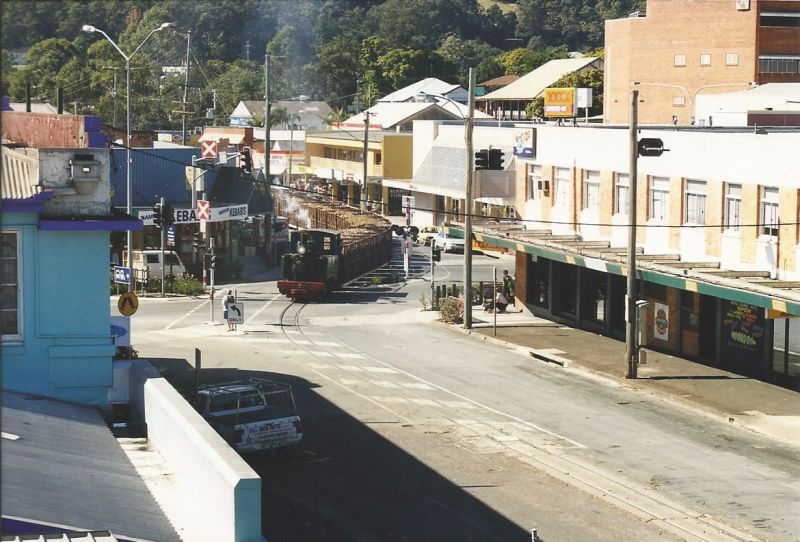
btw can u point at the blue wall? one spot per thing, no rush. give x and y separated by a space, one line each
67 348
156 173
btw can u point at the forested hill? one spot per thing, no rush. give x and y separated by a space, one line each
326 49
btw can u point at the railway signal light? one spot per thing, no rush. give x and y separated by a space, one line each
157 216
247 160
495 159
482 159
167 215
436 254
212 261
197 240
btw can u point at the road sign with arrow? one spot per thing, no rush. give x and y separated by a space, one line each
236 313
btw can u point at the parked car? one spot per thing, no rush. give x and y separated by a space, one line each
447 243
426 235
252 415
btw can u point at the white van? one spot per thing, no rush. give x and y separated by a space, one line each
151 260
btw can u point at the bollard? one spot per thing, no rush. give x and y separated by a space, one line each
534 536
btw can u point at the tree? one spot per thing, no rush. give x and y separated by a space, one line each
517 62
44 62
338 66
236 83
463 54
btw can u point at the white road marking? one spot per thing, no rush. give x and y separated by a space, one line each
390 399
417 386
197 308
459 404
349 381
267 304
384 370
346 355
327 343
424 402
386 384
353 368
321 354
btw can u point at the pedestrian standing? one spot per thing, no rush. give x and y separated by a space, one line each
508 284
227 301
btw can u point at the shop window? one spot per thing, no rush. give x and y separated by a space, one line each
659 199
378 158
564 289
733 205
695 203
657 292
690 318
593 296
10 287
782 19
786 347
621 187
539 283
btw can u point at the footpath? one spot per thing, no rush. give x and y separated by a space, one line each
759 406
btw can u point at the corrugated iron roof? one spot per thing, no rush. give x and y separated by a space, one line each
156 173
530 85
88 536
67 469
20 175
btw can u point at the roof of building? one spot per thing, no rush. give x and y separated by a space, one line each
62 466
430 85
774 96
501 81
320 109
387 115
36 107
530 85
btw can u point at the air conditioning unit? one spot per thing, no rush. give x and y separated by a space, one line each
742 5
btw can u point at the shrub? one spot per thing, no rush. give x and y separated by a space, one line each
188 286
451 310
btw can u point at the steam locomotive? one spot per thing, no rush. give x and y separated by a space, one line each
313 267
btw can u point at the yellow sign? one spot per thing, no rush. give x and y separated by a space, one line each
559 102
128 303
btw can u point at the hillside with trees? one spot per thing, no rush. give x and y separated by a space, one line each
345 52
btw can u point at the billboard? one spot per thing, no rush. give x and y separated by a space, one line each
559 102
525 142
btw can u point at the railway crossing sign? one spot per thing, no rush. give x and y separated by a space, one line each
128 303
203 209
209 149
236 313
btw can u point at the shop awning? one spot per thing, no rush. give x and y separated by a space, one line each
753 288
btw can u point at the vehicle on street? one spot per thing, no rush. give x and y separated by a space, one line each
150 260
252 415
426 235
447 243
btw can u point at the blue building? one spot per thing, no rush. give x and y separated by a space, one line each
54 272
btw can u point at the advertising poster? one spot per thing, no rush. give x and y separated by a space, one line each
661 322
559 102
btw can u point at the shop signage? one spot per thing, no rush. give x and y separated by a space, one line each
559 102
661 321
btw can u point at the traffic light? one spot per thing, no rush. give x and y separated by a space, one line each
167 215
213 261
482 159
436 254
197 240
247 160
495 159
157 218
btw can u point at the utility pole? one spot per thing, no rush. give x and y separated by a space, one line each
267 146
365 185
468 205
631 355
186 85
247 50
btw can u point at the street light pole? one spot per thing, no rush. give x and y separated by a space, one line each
365 184
631 355
468 205
129 181
691 96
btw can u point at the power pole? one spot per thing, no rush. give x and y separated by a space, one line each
186 85
468 205
267 147
631 355
247 50
365 185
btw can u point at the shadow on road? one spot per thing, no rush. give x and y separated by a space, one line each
350 483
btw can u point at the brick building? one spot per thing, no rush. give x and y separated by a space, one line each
682 48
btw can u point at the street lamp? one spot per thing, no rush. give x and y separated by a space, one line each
292 118
468 126
692 96
129 181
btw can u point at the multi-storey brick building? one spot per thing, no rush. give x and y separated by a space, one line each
682 48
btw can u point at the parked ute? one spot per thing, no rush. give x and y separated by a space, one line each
252 415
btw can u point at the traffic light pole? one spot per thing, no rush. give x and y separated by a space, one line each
164 223
211 297
631 354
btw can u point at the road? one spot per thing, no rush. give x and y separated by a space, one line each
417 432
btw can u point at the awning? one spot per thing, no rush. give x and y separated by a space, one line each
572 252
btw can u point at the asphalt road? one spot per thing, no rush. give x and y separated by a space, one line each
416 432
